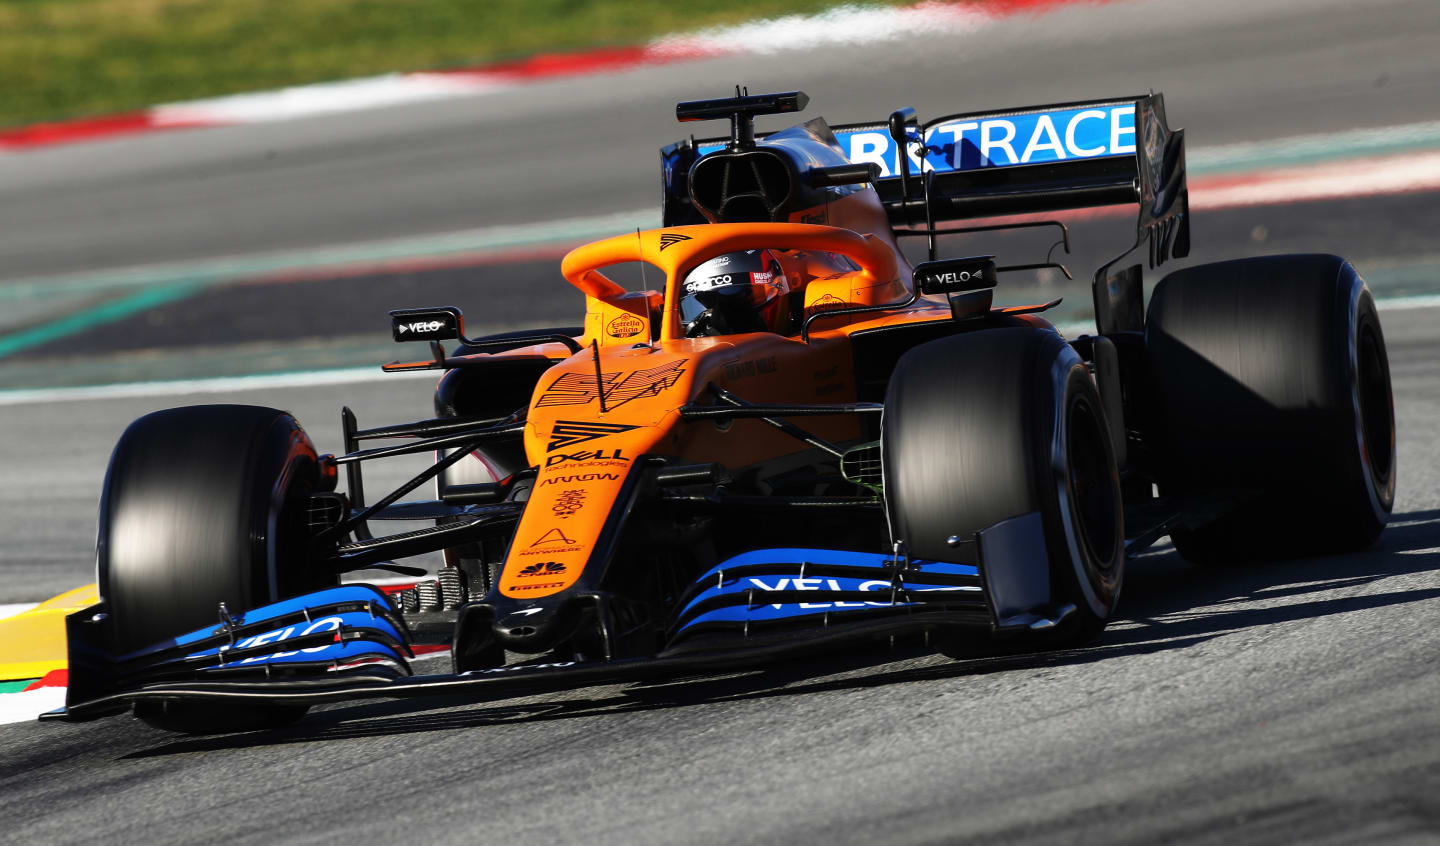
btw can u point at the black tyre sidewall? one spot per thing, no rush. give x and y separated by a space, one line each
193 513
1088 569
1374 468
977 430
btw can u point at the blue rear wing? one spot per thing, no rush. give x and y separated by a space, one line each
989 140
1024 161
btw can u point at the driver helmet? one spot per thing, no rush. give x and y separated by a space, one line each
734 293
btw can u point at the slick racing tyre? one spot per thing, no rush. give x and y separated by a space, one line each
1271 384
203 505
982 427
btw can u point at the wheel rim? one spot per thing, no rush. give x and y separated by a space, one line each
1092 486
1377 416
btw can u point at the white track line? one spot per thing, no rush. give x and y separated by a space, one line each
842 26
1360 177
219 384
26 705
849 25
1318 145
12 610
359 375
507 236
325 98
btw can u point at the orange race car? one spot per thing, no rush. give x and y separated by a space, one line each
800 441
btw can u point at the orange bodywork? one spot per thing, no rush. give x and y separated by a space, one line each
584 454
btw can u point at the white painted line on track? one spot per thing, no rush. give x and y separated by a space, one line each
26 705
1407 303
219 384
846 25
348 95
1362 177
225 268
12 610
842 26
360 375
1352 177
1296 149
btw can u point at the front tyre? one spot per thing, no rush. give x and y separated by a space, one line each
986 426
203 505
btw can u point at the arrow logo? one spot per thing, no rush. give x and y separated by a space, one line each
671 238
570 432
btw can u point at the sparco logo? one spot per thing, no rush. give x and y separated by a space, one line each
422 326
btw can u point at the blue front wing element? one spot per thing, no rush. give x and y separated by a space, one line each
353 621
839 578
843 557
335 627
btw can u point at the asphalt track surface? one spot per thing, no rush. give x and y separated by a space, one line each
1231 70
1291 701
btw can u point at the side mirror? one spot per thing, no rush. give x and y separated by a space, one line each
427 324
846 174
947 276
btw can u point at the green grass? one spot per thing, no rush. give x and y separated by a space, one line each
61 59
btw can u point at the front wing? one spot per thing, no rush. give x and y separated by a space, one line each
762 606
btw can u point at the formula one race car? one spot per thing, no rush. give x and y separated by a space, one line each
801 442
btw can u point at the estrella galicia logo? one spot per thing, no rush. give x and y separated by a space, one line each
542 568
567 433
669 239
625 326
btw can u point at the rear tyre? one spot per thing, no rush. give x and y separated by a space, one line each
982 427
1270 378
203 505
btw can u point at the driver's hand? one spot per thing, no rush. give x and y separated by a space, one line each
700 326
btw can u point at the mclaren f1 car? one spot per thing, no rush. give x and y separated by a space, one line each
802 442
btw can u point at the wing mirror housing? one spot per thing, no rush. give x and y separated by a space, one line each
445 323
950 276
968 283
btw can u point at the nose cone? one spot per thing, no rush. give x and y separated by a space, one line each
537 628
